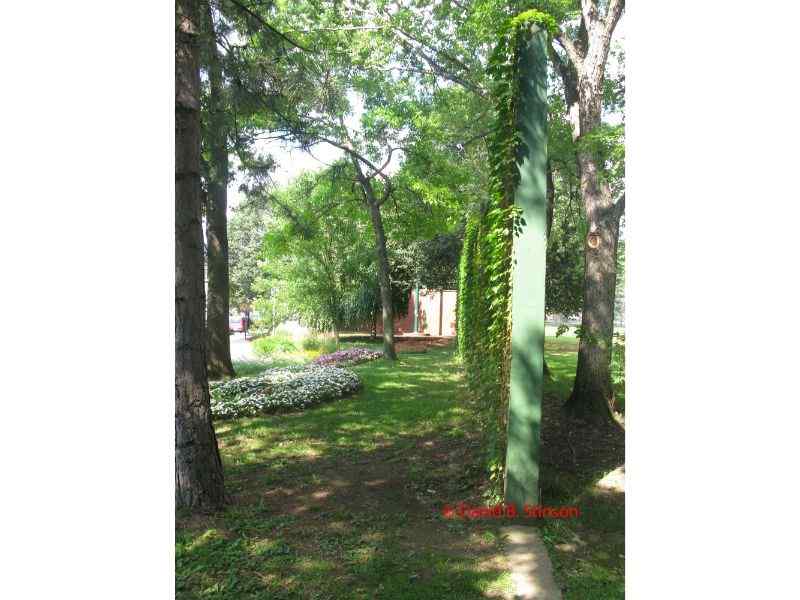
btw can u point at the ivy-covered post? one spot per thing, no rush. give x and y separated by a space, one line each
528 274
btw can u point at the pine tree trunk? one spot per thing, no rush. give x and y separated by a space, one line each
198 468
218 308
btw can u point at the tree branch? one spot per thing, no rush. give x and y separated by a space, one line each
568 77
385 164
345 28
258 18
614 12
353 154
600 43
572 51
468 141
304 229
387 191
436 65
589 12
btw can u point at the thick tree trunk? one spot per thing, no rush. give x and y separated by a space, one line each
218 308
384 282
198 468
593 395
582 73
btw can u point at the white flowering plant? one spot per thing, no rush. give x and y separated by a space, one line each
351 356
281 390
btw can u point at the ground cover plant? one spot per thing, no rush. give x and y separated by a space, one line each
344 501
588 554
281 389
348 356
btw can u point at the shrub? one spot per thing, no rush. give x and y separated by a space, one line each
281 390
351 356
312 343
319 344
272 344
258 328
329 345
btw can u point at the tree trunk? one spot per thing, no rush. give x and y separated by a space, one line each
198 468
593 395
218 308
384 281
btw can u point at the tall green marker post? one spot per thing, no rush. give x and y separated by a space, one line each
527 300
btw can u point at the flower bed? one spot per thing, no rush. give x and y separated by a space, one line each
281 389
351 356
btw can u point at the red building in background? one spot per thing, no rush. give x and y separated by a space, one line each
430 312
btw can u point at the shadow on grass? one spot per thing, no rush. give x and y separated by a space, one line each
587 553
417 394
343 501
273 564
318 547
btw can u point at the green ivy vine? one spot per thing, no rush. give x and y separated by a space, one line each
484 311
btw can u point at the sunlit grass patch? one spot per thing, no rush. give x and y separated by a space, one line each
307 522
287 536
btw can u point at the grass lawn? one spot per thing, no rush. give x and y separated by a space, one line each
588 553
344 500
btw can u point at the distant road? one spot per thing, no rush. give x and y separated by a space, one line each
241 349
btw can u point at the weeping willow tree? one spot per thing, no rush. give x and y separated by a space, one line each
317 250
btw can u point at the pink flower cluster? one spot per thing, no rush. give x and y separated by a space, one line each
350 356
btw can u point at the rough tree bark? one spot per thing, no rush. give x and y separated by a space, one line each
198 468
583 73
218 302
384 281
593 394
